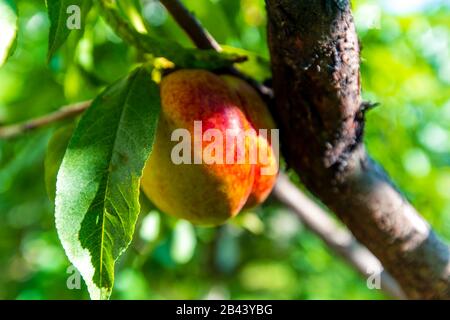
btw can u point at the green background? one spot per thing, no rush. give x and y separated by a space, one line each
266 253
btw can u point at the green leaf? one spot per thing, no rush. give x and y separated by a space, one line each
65 16
161 47
255 66
185 57
55 152
8 27
132 10
97 190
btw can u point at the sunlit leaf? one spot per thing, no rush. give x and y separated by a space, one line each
132 9
8 27
55 152
97 193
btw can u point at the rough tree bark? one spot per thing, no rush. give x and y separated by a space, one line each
315 63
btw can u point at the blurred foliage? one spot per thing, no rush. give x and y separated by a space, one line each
262 254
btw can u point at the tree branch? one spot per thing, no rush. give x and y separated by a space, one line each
65 112
314 45
199 36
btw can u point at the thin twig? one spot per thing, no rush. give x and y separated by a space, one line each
65 112
204 40
199 35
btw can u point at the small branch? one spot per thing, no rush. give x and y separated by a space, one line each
337 238
65 112
204 40
200 36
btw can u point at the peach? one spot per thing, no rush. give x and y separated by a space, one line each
206 112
